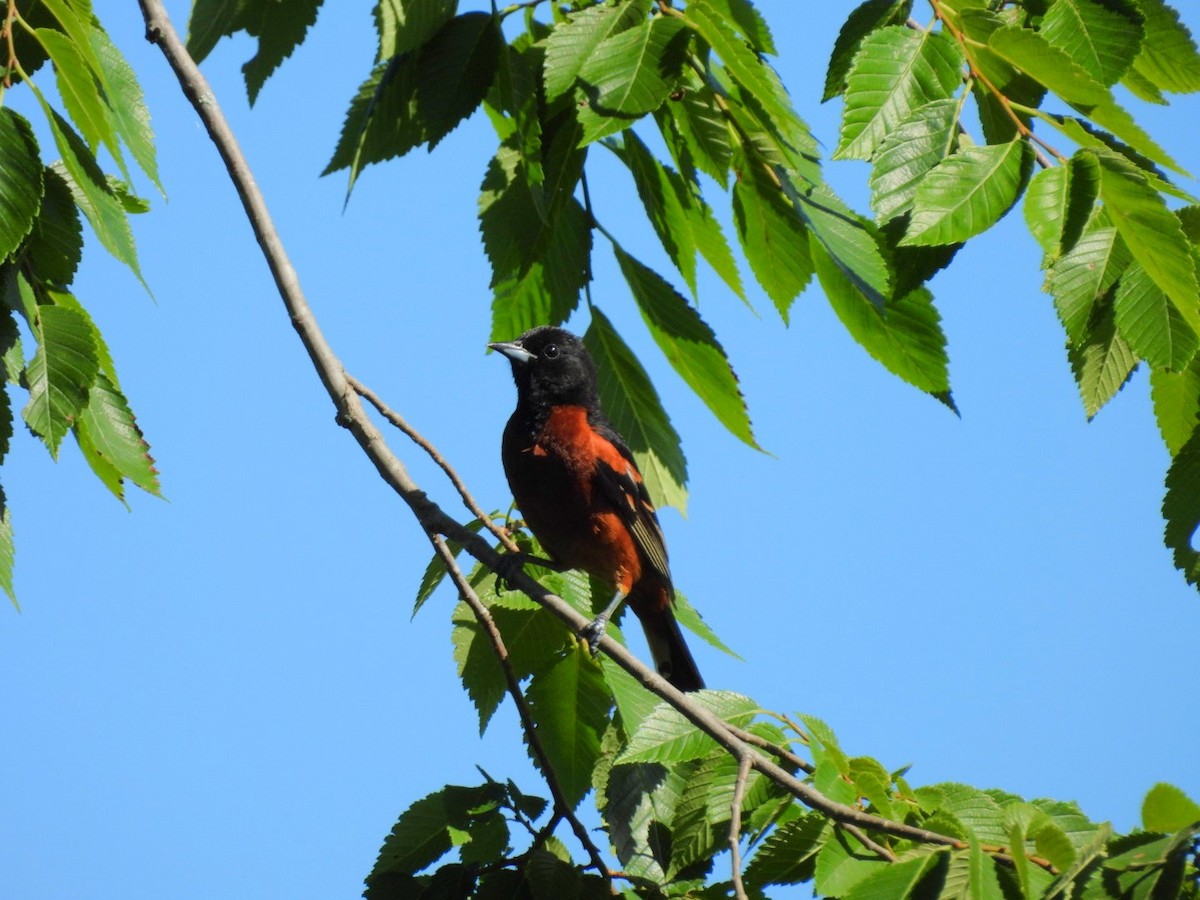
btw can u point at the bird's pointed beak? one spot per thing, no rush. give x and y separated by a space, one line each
513 350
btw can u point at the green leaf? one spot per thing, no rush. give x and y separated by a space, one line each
61 373
696 132
1059 202
633 406
405 25
689 617
896 71
382 120
126 105
1103 40
7 551
55 245
435 571
1153 234
1168 809
210 20
906 336
1169 59
689 345
896 881
1102 363
969 192
570 703
743 17
21 184
92 193
532 637
663 195
638 803
108 428
280 29
424 832
1033 54
1085 273
666 736
455 71
978 813
629 74
852 242
866 18
919 141
971 875
1176 397
841 865
80 90
572 44
1151 324
773 238
788 855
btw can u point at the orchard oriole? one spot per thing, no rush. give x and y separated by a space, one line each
582 495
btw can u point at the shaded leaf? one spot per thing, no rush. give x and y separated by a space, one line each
60 374
866 18
906 336
628 75
1059 202
689 345
405 25
1102 363
1084 274
1169 59
635 410
109 432
1151 324
570 702
21 184
773 238
455 70
571 45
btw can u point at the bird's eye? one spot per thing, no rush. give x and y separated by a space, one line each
550 351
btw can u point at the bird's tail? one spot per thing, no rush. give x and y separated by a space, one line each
670 652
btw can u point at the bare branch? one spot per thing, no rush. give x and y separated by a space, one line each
562 806
424 443
735 827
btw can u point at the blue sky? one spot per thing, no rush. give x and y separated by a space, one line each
223 694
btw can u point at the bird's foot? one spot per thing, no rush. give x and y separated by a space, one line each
593 631
509 566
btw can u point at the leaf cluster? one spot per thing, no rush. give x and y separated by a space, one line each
667 794
50 346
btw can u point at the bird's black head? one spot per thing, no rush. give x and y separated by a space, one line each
551 366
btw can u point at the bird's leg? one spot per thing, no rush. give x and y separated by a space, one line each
594 630
512 563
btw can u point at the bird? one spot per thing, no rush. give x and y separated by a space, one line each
580 492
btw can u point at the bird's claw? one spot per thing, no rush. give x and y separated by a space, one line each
509 567
593 631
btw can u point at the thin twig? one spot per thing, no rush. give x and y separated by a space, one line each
774 749
561 805
735 827
424 443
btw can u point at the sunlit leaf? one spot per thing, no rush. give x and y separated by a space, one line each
896 70
969 192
